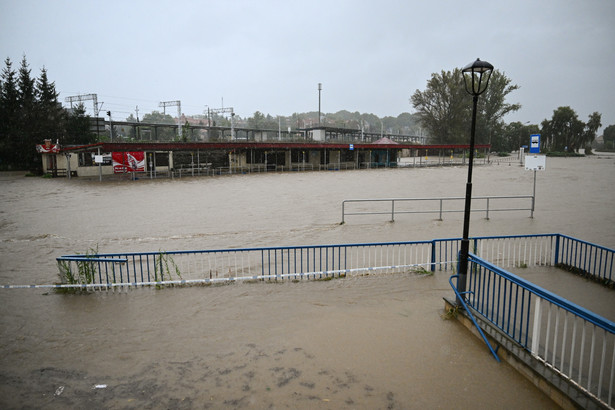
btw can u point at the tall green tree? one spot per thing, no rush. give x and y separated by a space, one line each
48 111
441 108
25 133
492 107
444 108
77 131
591 129
9 110
30 113
515 135
257 121
609 137
566 132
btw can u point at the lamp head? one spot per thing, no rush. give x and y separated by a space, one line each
476 76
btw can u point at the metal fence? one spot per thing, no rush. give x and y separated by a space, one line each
318 261
437 205
573 341
227 265
586 258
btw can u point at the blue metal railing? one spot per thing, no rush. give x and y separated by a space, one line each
318 261
586 258
268 263
461 298
568 338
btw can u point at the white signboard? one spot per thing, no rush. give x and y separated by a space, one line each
535 162
99 159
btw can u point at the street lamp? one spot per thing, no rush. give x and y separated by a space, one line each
476 76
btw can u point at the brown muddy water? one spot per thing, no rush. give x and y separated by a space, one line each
375 341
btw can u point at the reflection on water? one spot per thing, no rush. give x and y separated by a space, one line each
367 341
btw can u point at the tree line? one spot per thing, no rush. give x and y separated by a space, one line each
30 113
444 110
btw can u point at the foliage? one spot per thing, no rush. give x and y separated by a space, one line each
445 109
563 154
405 123
451 313
442 107
565 132
492 107
257 121
84 274
516 134
609 137
77 127
165 267
29 114
156 117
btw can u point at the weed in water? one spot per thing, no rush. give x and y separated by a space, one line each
85 272
164 268
422 271
451 313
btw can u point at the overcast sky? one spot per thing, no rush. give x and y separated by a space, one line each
269 56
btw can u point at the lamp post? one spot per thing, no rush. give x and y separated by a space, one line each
476 77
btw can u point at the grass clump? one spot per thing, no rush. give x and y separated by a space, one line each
83 273
164 268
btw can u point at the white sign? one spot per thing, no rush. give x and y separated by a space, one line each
535 162
99 159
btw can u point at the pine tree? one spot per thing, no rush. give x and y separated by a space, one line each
9 108
49 113
25 138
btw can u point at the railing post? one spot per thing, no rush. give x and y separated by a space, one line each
392 210
441 201
433 256
343 203
556 256
487 217
533 197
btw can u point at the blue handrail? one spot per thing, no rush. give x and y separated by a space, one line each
465 306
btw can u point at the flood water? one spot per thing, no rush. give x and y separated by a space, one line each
375 341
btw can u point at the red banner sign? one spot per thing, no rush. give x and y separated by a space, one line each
48 148
128 162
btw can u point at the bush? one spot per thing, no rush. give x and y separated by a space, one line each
563 154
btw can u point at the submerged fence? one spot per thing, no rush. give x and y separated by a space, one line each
227 265
321 261
573 341
437 205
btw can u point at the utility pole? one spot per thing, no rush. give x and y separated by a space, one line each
138 129
319 90
177 103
